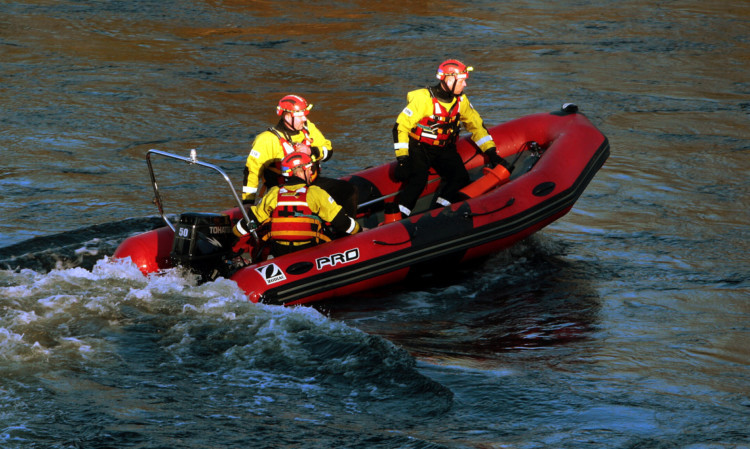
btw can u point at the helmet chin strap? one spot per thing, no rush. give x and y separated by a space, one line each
287 124
312 173
445 86
305 175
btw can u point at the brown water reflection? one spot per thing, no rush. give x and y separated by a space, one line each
649 270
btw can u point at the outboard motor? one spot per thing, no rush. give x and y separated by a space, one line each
203 243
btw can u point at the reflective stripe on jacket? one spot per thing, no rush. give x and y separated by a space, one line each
267 150
292 220
421 104
440 127
299 202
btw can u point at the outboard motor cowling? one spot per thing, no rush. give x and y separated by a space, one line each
203 242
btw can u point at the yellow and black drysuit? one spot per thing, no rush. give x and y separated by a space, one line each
270 147
294 213
425 136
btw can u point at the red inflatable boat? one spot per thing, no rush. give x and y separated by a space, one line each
555 156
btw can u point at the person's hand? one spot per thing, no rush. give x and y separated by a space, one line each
315 154
403 168
303 148
243 227
496 160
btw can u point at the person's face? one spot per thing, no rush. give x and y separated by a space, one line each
308 173
454 85
311 173
295 123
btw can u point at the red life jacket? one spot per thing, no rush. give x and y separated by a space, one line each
292 220
440 127
288 146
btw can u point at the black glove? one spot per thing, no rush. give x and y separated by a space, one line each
315 154
318 156
403 168
321 154
496 160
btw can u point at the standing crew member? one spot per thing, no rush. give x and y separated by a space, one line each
296 210
293 132
426 132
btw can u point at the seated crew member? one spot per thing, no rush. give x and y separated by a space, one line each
426 132
296 210
293 132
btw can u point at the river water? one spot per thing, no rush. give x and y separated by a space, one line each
625 324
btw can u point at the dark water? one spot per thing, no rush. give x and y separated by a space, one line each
624 324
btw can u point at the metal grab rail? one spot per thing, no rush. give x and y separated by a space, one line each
192 160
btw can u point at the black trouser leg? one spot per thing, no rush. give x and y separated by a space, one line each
420 167
343 192
447 163
450 167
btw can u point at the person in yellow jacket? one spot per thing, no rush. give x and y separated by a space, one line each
293 132
295 211
425 136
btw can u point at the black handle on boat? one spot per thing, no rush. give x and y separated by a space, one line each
192 160
508 203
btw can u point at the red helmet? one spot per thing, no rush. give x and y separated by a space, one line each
293 161
453 67
295 104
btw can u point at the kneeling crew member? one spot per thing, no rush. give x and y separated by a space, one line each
296 210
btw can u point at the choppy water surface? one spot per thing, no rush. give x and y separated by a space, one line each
624 324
